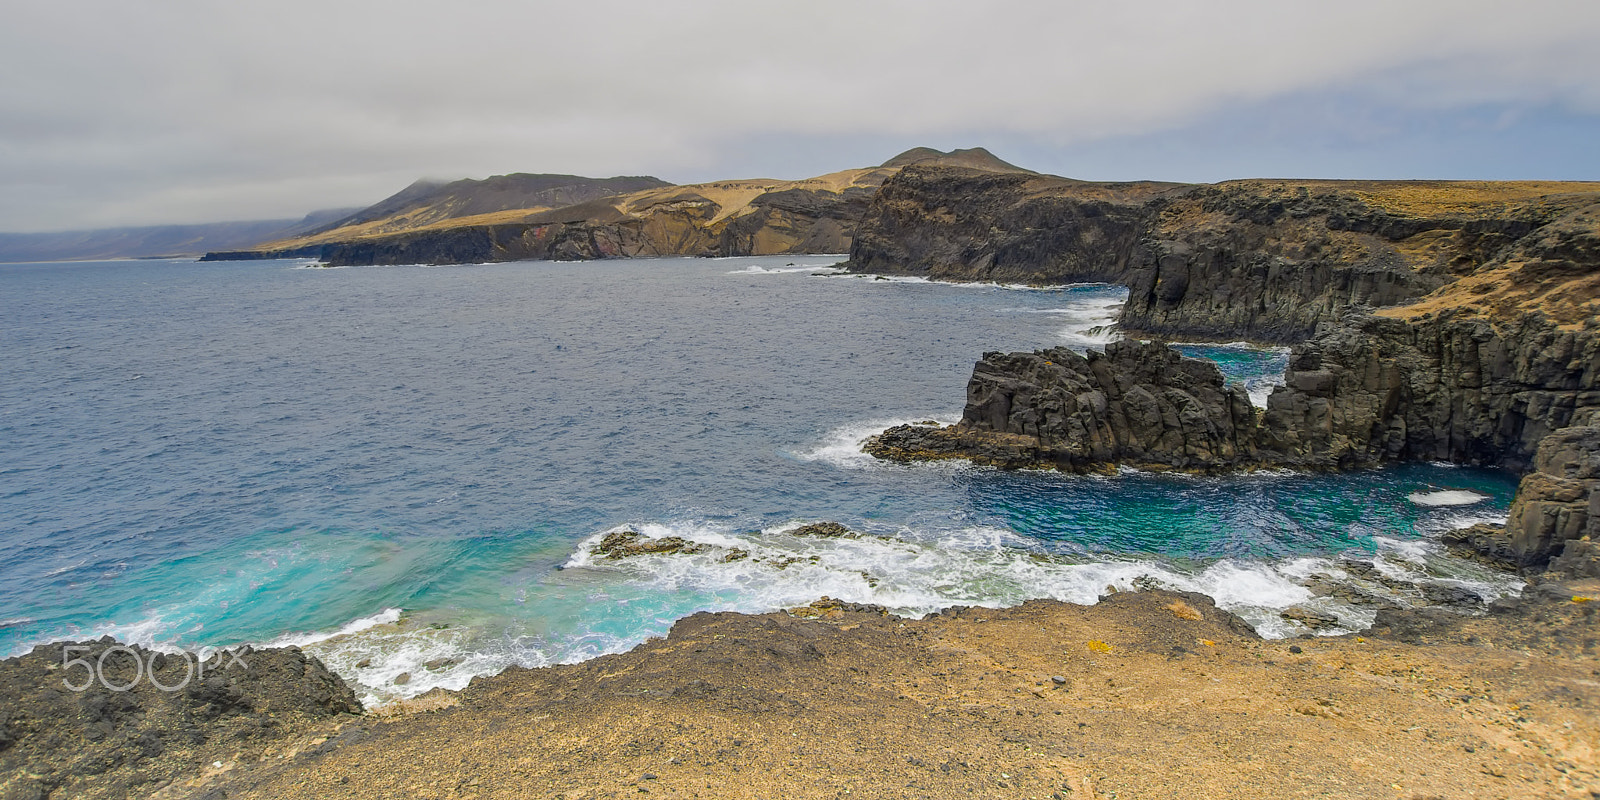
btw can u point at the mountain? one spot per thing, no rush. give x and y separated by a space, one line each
515 217
431 204
154 241
970 158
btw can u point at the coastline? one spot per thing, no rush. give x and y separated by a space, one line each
1159 694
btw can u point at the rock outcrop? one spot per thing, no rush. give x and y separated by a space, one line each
70 726
1137 404
1558 504
1437 321
1447 388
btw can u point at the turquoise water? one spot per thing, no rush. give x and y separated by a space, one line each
400 464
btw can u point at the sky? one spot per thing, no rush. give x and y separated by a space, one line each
120 113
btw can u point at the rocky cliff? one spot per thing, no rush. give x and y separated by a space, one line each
1431 321
1264 260
950 223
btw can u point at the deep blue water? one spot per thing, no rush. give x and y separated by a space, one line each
218 453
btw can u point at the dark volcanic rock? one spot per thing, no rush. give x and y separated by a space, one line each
1486 543
1137 404
1269 263
1311 618
825 530
628 542
959 224
58 738
1376 389
1559 502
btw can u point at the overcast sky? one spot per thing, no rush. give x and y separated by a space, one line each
131 112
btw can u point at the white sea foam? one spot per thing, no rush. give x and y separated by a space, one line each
1012 287
759 270
1089 321
841 446
1448 518
1423 561
387 616
915 574
1446 497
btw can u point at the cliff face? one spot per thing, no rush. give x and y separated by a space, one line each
1264 260
789 220
1441 389
1485 348
965 225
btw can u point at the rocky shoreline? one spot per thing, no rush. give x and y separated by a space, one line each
1430 321
1146 694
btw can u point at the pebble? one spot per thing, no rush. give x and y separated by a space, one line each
1058 680
1294 648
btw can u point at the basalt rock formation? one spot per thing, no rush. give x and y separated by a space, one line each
1268 261
958 224
1431 321
103 719
1137 404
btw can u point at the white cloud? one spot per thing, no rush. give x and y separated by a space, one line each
114 112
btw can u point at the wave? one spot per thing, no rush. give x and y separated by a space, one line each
1446 497
388 616
915 574
1012 287
841 446
759 270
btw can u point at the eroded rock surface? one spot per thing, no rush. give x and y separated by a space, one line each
1138 404
67 729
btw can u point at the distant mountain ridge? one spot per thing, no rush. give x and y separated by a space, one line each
426 203
520 216
155 241
971 158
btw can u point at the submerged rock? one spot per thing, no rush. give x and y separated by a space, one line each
627 542
1311 618
825 530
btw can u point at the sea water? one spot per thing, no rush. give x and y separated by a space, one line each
393 466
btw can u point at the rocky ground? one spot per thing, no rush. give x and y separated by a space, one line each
1148 694
92 719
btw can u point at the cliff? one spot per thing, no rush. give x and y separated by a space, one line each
1264 260
951 223
1432 321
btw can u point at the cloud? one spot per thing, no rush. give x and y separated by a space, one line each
122 113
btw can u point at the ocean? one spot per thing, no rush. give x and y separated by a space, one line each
400 466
